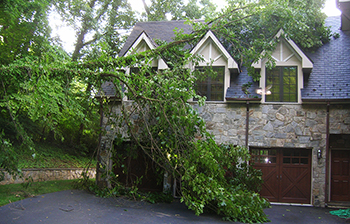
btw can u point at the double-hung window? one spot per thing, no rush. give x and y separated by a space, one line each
282 81
211 86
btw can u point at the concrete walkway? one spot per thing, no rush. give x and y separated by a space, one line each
75 206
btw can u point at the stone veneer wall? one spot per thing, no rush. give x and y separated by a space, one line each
270 125
280 125
48 174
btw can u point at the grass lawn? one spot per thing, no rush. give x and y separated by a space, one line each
15 192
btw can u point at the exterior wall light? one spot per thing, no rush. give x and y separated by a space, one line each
319 154
265 91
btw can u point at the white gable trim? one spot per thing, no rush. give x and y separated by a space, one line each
202 44
305 61
137 44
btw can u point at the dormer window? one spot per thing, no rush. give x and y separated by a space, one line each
215 56
282 83
212 87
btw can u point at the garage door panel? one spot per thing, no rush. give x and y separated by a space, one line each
269 193
294 172
294 193
269 182
289 180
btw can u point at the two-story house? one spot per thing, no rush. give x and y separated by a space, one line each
298 129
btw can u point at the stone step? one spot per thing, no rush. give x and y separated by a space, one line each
339 204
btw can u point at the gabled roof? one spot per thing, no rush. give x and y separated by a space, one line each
210 35
306 63
162 30
329 79
143 37
151 44
330 76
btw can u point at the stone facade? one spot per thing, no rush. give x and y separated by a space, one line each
271 125
281 126
47 174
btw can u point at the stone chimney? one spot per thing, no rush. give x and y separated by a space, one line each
344 7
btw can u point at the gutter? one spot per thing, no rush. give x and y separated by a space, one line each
326 101
233 99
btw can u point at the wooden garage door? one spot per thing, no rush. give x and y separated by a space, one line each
286 174
340 175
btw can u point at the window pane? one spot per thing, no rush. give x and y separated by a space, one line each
304 161
304 153
272 152
286 160
213 85
284 84
272 159
295 160
273 79
287 152
289 84
254 152
202 87
263 160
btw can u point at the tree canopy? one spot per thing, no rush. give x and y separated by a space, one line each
178 10
99 24
24 29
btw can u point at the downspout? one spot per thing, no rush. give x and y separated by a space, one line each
247 126
327 154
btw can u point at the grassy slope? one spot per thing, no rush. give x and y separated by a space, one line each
46 156
52 156
15 192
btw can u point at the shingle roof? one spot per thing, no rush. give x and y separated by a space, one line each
236 82
107 89
330 77
162 30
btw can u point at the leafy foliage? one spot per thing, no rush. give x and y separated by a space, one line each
7 158
24 29
159 10
40 104
252 38
53 156
97 23
160 119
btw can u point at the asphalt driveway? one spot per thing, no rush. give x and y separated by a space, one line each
75 206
